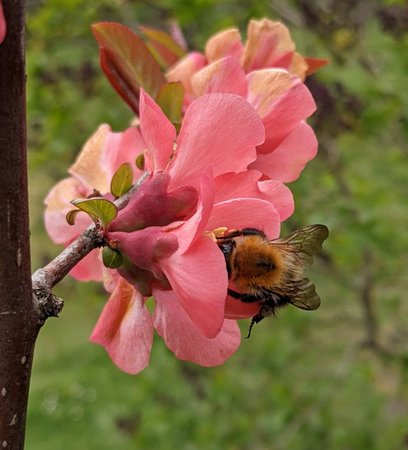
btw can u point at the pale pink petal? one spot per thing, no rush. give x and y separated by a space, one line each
3 24
289 159
224 76
246 213
58 204
199 279
184 69
125 329
268 45
266 87
158 132
185 340
247 185
287 103
225 43
299 66
219 131
89 269
122 148
111 278
88 167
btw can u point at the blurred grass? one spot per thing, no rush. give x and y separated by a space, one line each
305 380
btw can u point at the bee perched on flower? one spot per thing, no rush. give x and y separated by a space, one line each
270 272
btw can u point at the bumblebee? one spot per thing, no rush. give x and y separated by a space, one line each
271 272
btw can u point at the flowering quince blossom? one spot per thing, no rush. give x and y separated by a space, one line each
260 71
199 181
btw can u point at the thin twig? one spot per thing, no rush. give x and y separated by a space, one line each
45 278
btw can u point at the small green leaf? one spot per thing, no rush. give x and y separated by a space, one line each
71 216
140 161
99 208
122 180
111 258
170 100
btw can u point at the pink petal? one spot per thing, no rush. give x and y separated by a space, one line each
281 107
125 329
224 43
199 279
247 185
246 213
57 202
88 167
225 76
266 87
290 157
3 24
219 131
158 132
195 226
268 45
184 69
235 309
122 148
154 205
185 340
89 269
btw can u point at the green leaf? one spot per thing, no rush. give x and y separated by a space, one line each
99 208
111 258
122 180
140 161
163 47
170 100
127 62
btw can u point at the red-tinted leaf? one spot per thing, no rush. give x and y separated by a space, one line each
170 100
127 62
163 47
315 64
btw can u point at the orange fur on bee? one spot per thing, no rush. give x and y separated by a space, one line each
255 262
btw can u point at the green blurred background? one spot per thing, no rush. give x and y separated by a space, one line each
333 379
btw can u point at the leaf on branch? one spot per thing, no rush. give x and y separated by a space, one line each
127 62
122 180
163 47
111 258
71 216
98 209
170 100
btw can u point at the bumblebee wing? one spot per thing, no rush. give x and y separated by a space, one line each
305 242
305 296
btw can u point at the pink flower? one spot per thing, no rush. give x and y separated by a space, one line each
101 155
260 71
198 182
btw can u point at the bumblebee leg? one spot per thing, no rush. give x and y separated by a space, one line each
246 298
256 319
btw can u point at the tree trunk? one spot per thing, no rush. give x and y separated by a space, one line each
18 316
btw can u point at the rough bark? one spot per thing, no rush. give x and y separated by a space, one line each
18 316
